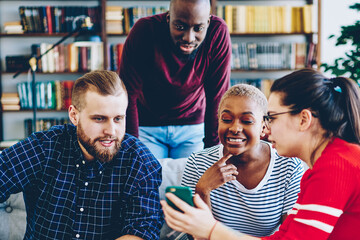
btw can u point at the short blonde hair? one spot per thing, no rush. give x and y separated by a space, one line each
246 90
103 82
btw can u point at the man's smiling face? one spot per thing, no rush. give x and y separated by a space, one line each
188 22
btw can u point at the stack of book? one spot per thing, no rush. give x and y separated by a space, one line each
114 18
13 27
7 144
10 101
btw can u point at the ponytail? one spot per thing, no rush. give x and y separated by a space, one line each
349 97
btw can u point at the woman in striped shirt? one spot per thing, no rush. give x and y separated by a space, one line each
249 187
318 120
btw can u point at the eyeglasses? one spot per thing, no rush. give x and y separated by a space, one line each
267 118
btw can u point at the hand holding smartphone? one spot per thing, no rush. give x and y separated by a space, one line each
184 193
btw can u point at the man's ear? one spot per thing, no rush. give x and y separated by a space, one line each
306 119
73 115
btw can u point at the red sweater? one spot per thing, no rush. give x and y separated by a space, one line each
165 89
328 206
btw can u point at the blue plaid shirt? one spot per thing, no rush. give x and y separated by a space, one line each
67 197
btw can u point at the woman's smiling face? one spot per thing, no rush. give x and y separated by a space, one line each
240 124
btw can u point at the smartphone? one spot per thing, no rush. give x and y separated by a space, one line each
184 193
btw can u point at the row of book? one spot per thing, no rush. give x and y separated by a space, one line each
71 57
267 19
43 124
119 20
272 55
56 19
263 84
10 101
49 95
68 58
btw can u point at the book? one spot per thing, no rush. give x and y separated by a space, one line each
13 27
14 63
49 19
235 56
10 107
10 99
7 143
44 58
229 17
252 58
119 48
66 90
23 21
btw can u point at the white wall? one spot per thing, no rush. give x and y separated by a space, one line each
335 13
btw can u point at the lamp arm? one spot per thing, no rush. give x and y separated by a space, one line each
33 60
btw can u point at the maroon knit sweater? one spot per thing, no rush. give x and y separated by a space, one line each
168 89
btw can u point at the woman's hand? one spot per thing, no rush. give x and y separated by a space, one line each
218 174
195 221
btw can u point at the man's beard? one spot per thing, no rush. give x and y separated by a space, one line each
103 155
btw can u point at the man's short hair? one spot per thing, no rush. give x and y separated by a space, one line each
246 90
190 1
103 82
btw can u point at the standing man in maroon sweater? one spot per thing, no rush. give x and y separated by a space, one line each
176 67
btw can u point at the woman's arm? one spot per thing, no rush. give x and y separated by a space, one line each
198 221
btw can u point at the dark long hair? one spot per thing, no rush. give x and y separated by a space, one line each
335 101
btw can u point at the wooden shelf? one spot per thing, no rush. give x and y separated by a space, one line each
260 70
37 34
48 73
37 110
268 34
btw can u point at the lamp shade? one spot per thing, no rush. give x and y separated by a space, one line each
87 37
86 32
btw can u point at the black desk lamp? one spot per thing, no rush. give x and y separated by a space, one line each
84 35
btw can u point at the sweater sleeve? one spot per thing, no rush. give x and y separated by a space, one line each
326 192
131 67
217 81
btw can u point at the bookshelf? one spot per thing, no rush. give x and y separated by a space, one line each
276 36
12 122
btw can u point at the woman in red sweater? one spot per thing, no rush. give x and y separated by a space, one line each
316 119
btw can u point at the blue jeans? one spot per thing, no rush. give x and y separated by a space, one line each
173 141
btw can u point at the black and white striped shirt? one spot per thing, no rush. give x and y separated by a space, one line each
254 211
